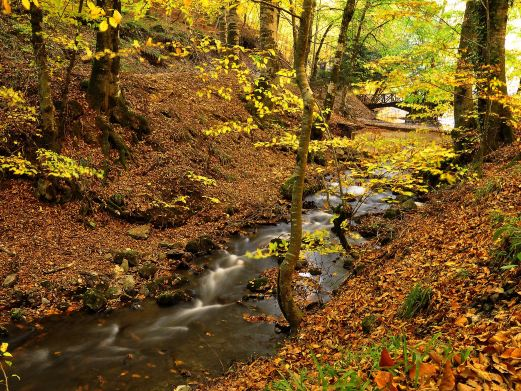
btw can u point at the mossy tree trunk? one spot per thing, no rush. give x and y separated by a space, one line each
285 295
47 109
494 116
329 101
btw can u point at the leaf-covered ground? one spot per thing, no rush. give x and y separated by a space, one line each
447 246
60 246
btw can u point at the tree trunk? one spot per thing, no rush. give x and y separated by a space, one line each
233 25
464 104
329 102
285 296
494 117
47 110
316 55
222 25
269 17
104 91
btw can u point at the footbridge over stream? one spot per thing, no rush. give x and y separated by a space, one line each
379 100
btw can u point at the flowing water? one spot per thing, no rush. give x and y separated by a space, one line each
157 348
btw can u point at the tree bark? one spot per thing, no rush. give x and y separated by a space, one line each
329 102
233 25
269 17
494 117
104 91
289 308
47 109
464 104
222 25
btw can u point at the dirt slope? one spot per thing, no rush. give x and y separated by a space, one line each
39 239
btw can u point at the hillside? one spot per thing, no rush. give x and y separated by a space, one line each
446 246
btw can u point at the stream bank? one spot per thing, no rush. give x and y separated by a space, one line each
162 347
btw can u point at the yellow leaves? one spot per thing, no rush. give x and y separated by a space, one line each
117 17
95 12
87 56
103 26
6 7
3 347
26 4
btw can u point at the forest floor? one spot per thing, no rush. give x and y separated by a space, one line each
446 246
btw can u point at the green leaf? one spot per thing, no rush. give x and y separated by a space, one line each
508 267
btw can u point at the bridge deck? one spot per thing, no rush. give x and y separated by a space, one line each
380 100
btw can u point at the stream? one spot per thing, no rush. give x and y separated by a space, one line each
154 348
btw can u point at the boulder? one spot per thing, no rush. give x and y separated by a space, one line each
200 246
10 281
141 232
132 256
170 298
169 245
94 300
392 213
408 205
148 270
175 254
258 285
128 284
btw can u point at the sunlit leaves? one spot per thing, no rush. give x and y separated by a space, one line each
231 127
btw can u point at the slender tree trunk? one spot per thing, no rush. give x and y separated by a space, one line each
494 117
104 91
294 26
464 104
222 25
269 17
233 25
329 102
316 55
356 43
68 78
47 110
285 296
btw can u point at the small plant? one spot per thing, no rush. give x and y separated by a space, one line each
508 239
416 301
490 187
6 358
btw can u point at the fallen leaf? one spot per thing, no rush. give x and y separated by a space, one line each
448 382
425 371
385 359
384 381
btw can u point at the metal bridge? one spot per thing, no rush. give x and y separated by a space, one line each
375 101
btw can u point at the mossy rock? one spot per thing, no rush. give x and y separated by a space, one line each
132 256
311 186
201 246
94 300
170 298
258 285
369 323
148 270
